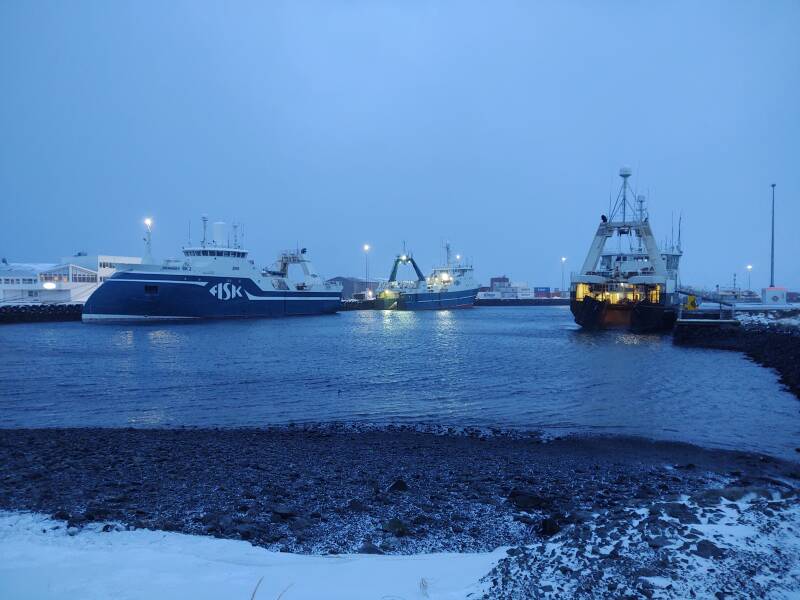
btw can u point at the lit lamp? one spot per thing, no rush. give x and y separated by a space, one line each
148 240
563 260
749 270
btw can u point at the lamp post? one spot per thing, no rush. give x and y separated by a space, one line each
772 245
148 241
749 270
366 271
563 260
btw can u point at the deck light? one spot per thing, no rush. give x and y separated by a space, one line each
148 222
49 285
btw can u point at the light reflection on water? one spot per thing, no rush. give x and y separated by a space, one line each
527 367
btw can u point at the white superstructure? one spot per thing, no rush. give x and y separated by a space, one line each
70 281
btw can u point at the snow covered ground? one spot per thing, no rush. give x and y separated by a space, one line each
790 319
41 559
717 549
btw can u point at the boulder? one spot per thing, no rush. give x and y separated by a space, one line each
707 549
398 486
524 500
549 526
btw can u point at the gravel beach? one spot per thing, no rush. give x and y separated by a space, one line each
398 490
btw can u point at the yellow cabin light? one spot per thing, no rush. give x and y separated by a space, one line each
49 285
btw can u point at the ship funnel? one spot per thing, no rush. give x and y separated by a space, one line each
219 231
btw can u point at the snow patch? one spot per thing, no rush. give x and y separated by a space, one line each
41 559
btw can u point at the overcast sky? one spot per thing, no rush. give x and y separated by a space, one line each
499 126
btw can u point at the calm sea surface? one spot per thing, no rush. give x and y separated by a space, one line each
528 368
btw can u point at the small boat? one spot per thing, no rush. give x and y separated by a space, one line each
449 286
626 281
214 280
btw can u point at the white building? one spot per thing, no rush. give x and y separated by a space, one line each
71 281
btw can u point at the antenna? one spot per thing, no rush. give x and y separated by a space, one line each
236 235
672 229
190 232
624 172
205 227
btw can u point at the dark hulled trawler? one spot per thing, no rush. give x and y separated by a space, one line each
626 281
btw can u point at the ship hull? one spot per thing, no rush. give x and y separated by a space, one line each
432 300
151 297
641 317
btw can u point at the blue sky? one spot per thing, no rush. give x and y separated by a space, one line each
499 126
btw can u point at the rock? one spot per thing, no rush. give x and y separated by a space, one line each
681 512
107 527
526 500
356 505
246 531
707 549
658 542
398 486
283 511
61 515
396 527
549 526
369 548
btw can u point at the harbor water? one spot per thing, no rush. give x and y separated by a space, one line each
526 368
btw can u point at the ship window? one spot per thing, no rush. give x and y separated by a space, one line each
151 290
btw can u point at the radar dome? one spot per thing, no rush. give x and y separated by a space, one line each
625 172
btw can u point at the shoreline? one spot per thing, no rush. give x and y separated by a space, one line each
398 492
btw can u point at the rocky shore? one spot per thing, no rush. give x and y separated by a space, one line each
770 344
583 516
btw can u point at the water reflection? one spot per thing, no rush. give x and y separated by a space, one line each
525 367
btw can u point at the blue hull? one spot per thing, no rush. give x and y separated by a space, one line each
144 296
437 301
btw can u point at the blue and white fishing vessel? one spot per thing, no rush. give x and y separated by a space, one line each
449 286
214 280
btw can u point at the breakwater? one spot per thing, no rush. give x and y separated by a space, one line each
28 313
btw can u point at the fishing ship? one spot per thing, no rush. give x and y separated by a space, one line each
449 286
214 280
626 281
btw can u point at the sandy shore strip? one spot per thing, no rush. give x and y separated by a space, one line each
583 516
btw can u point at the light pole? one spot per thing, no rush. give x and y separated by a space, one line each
148 242
366 271
563 260
749 270
772 248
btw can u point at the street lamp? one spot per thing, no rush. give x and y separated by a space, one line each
366 272
749 270
148 242
563 260
772 243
